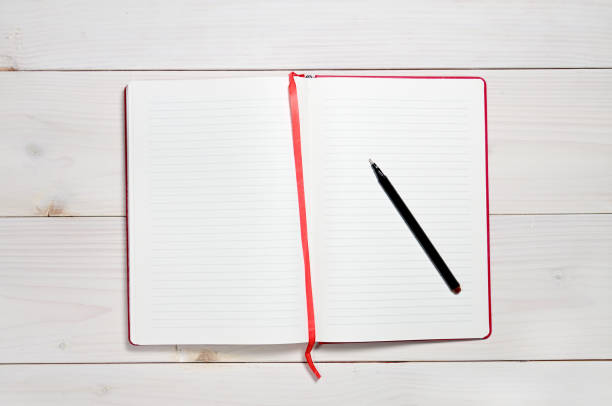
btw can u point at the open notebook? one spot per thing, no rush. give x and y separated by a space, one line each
215 240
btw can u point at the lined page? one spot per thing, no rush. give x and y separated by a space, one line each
214 248
373 280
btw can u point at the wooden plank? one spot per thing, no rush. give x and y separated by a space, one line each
498 383
63 292
550 140
550 288
63 280
316 34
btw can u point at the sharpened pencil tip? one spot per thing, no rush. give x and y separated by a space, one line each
371 162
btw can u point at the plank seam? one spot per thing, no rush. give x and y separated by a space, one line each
491 214
318 362
518 68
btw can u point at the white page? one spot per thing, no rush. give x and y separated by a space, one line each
372 280
214 243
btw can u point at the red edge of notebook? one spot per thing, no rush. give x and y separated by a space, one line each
487 194
333 76
127 230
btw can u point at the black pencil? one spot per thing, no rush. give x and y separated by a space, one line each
416 229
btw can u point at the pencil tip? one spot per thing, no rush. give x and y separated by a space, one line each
457 290
371 162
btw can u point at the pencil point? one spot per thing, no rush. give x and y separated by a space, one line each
371 162
457 290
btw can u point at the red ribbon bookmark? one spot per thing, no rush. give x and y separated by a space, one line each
299 175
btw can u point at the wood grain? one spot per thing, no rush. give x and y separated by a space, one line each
490 383
317 34
62 285
63 292
550 140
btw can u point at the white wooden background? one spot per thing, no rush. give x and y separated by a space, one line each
63 66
